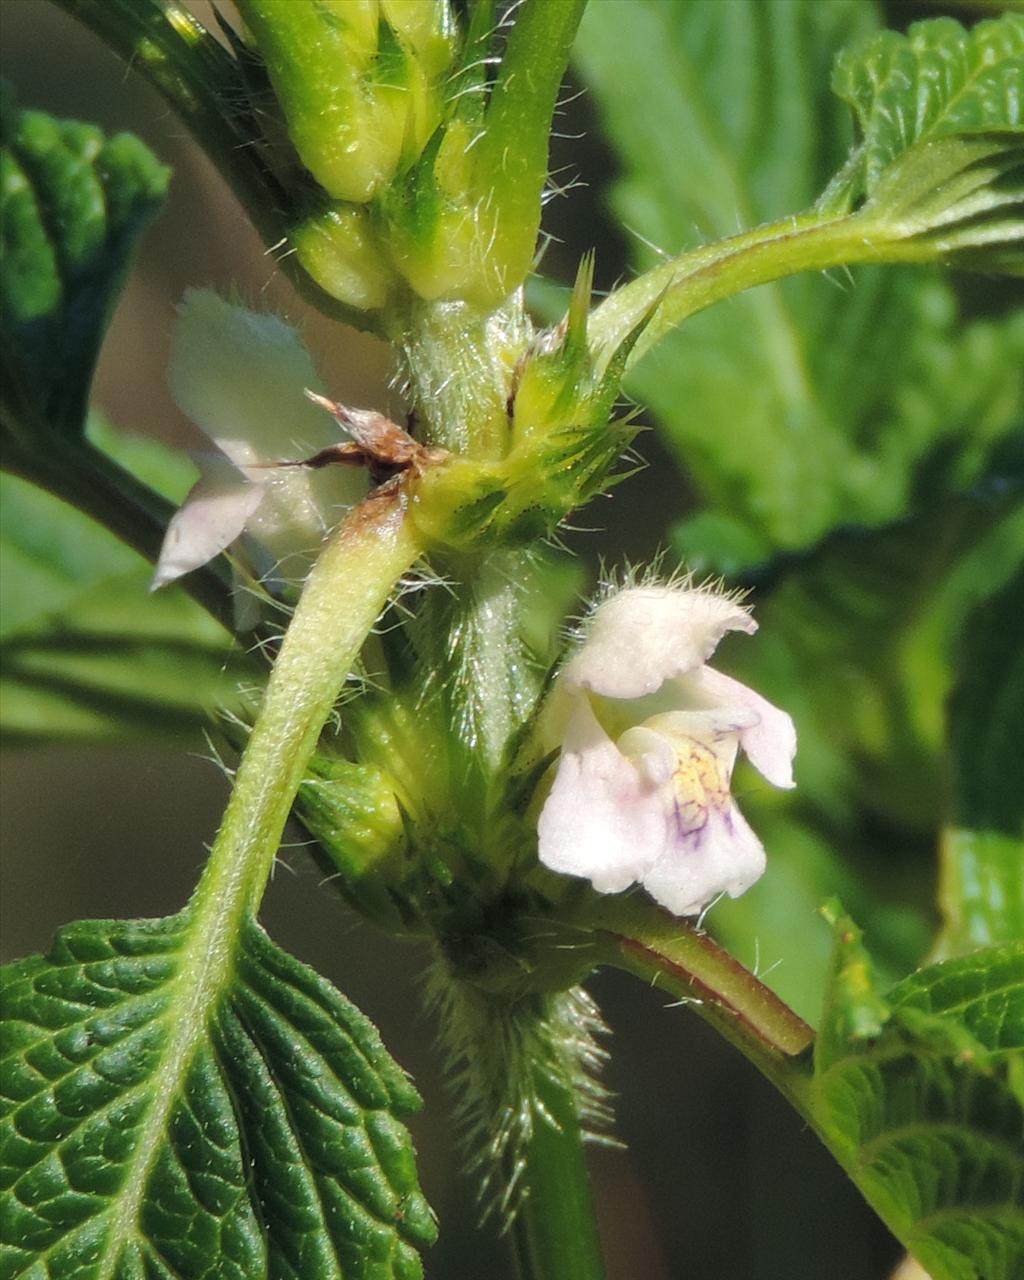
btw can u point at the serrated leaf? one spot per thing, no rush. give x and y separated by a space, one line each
854 1012
937 81
86 652
765 401
926 1115
72 205
941 118
982 874
234 1120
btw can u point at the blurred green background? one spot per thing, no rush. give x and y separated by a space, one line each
718 1180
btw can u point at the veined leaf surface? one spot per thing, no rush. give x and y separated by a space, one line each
940 164
921 1096
170 1112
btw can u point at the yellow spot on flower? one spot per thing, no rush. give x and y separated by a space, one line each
698 784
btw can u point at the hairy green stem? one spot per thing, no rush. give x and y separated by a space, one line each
459 363
693 281
668 953
555 1232
522 1064
342 599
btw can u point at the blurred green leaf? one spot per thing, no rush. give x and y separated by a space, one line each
171 473
805 404
85 651
919 1098
742 136
982 880
159 1120
859 641
72 205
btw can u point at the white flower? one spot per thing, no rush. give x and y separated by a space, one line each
241 376
649 736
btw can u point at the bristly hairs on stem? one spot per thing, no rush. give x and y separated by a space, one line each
497 1049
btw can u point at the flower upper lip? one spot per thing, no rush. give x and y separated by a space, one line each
643 636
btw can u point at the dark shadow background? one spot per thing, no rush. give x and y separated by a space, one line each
720 1180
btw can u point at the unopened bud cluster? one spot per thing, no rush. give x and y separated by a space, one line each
425 177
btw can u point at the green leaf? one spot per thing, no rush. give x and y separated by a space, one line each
741 137
766 402
86 652
942 126
860 642
171 473
982 879
936 81
72 205
739 141
919 1097
264 1143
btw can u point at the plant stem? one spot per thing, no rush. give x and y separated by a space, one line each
696 280
459 363
343 596
554 1234
522 1063
641 939
342 599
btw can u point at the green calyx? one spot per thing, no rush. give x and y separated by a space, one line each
356 82
560 445
419 825
403 836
